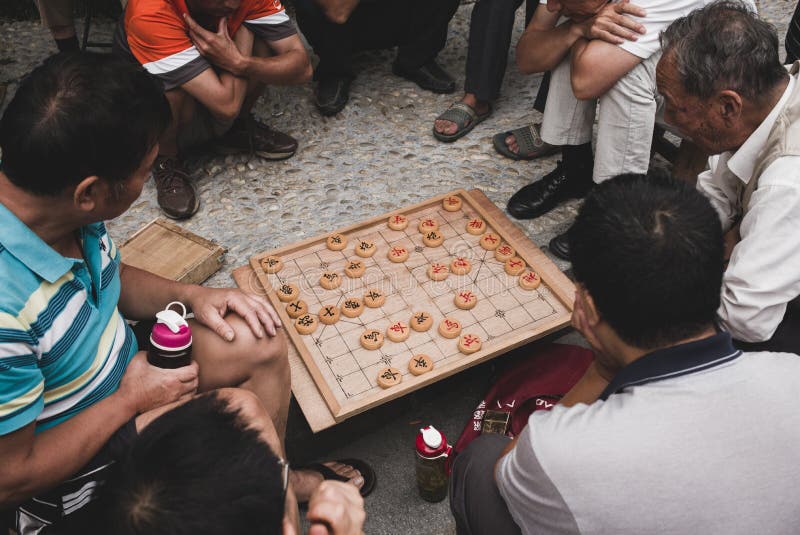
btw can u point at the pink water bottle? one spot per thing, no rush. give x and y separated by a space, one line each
433 464
170 339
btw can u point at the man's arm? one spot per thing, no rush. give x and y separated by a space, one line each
33 463
221 92
543 44
596 66
289 64
721 192
143 294
762 275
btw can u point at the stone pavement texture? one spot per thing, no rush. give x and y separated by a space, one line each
375 156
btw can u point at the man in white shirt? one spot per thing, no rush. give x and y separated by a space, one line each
671 429
724 87
602 52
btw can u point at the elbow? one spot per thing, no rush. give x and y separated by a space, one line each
584 88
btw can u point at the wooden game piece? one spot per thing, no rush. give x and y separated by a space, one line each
504 253
433 238
306 324
397 222
287 292
490 241
365 248
460 266
355 268
427 224
397 254
465 300
398 331
388 377
296 308
372 339
449 327
271 264
420 364
352 307
330 280
529 280
515 266
329 314
476 226
469 343
438 272
374 298
451 204
336 242
421 321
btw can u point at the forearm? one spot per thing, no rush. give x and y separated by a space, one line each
57 453
289 68
143 293
543 50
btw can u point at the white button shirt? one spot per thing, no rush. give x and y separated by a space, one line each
764 270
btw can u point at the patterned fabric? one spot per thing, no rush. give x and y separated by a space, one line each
63 344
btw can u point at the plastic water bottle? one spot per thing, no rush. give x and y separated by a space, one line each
433 464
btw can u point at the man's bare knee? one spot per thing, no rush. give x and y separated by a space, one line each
272 351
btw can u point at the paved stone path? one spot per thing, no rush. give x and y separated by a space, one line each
376 155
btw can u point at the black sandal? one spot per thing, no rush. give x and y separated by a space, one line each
530 143
464 116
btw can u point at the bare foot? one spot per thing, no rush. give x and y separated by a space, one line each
511 143
305 482
449 127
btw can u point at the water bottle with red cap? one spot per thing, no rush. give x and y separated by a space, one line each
170 339
433 464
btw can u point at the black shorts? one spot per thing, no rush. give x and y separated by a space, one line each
49 512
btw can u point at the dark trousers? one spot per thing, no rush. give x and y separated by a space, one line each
491 26
787 336
793 37
417 27
475 502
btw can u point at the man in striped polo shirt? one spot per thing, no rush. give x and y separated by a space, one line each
78 142
214 59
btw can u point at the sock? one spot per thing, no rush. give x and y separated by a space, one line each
578 159
69 44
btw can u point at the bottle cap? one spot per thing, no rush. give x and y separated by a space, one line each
431 437
171 331
431 442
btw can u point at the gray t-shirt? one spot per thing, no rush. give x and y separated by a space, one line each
709 451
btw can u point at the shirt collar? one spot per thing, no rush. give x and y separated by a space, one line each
682 359
743 161
27 247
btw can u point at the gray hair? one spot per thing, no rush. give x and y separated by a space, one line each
724 45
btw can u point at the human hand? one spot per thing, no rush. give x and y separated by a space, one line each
147 387
336 508
612 25
218 48
211 304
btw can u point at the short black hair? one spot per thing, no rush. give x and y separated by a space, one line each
649 250
196 470
79 115
724 45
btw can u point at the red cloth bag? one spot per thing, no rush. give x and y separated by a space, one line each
532 384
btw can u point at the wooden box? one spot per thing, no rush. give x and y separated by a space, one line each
168 250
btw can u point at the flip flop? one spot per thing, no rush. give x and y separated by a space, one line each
464 116
530 143
370 480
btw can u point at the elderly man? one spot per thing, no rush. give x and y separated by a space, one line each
214 58
598 51
671 429
725 88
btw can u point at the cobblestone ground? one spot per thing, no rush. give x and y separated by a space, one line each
377 155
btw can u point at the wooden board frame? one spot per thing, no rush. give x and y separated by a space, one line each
558 283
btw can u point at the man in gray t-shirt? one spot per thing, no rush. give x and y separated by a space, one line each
671 429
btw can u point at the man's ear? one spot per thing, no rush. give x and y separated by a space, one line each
589 308
87 193
729 107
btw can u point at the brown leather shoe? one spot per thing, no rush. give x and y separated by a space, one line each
249 136
175 192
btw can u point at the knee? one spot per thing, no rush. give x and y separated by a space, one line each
272 351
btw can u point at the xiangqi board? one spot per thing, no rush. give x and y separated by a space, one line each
381 278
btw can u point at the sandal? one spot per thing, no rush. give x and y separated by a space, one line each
530 143
464 116
365 469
